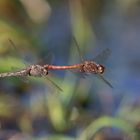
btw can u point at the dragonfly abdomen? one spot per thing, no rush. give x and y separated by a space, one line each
76 66
18 73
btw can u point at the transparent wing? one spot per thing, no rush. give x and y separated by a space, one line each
54 84
46 59
16 52
100 58
103 56
78 48
104 80
79 74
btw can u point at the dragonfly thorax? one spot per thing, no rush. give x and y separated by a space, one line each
38 70
92 67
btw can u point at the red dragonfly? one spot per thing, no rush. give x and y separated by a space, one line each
86 66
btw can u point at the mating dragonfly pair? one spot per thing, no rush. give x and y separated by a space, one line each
86 66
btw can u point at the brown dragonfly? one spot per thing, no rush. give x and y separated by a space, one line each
86 66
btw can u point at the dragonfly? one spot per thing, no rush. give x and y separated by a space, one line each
93 66
32 70
36 70
88 66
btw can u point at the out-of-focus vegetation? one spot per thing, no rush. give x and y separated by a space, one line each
34 108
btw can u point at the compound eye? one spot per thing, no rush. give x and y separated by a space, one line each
101 69
45 72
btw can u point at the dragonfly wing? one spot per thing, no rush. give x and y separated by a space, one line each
84 75
103 56
53 83
79 74
78 48
46 59
16 52
106 81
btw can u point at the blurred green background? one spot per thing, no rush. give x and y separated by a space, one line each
87 108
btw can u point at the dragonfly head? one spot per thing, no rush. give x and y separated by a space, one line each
100 69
